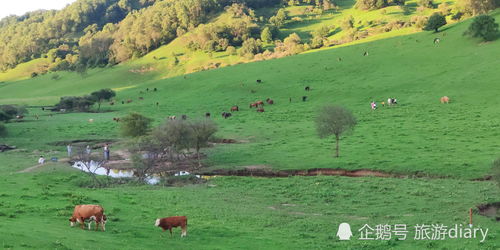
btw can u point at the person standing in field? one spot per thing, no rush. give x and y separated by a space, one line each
88 150
70 149
106 152
41 160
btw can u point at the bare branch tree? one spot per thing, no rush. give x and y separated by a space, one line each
90 164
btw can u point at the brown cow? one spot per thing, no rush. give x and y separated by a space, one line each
129 101
89 212
445 99
253 105
269 101
259 102
171 222
260 110
235 108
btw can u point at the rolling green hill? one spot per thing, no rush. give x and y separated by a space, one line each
446 146
394 20
418 133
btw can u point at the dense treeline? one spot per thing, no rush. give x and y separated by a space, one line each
98 32
90 33
31 36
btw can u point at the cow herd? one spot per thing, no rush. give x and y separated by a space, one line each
95 213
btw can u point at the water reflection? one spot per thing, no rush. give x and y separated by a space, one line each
94 167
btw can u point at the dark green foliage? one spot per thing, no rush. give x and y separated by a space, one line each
4 117
483 27
8 112
134 125
3 129
13 110
334 120
75 103
371 4
102 95
435 22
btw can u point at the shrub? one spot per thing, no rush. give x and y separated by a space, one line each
419 21
483 27
251 47
8 112
135 125
266 35
231 50
80 103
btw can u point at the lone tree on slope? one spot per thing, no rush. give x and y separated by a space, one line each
334 120
102 95
435 22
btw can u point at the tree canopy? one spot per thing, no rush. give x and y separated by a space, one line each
484 27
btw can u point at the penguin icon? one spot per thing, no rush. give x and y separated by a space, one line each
344 232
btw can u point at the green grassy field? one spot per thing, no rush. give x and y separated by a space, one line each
238 212
419 136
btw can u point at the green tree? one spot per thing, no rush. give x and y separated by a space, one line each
135 125
477 7
251 47
202 130
435 22
4 117
266 35
483 27
102 95
279 19
334 120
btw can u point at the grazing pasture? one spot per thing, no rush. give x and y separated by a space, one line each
241 212
419 136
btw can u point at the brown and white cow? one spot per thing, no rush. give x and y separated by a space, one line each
445 99
171 222
91 213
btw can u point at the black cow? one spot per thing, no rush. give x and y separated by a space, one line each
226 115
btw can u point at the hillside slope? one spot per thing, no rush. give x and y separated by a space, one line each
419 136
168 54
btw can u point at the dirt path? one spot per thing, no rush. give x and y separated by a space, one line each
31 169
